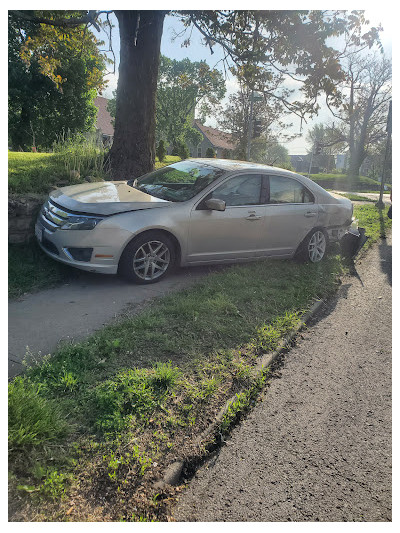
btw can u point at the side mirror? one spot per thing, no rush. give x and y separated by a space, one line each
215 204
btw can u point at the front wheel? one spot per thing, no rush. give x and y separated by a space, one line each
314 246
147 259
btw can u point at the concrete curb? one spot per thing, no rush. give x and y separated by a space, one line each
173 472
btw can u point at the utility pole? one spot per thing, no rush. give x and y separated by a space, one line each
380 204
316 150
312 154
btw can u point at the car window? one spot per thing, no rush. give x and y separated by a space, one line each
286 190
177 182
240 190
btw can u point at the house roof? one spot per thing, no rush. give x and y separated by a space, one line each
104 118
217 138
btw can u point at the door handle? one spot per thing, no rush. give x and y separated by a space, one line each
253 216
310 214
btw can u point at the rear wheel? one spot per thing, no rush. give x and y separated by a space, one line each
148 258
314 246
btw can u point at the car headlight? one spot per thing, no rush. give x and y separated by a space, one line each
81 223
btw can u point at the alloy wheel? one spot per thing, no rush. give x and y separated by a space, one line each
317 246
151 260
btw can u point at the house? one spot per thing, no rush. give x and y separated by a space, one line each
300 163
219 141
104 120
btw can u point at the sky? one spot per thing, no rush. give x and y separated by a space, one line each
172 48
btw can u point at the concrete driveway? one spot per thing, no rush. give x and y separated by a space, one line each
38 322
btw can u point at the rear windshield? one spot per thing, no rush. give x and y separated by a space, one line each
177 182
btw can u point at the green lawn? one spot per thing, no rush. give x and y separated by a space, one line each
341 182
39 173
375 221
168 160
99 422
30 269
357 198
33 172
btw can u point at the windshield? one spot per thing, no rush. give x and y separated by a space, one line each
177 182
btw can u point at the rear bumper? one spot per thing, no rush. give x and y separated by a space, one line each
352 242
351 238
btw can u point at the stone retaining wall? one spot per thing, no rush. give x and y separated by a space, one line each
22 213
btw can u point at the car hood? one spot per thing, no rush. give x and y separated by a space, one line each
105 198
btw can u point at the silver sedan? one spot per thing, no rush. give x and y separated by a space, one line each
195 212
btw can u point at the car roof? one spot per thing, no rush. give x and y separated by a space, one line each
235 165
230 164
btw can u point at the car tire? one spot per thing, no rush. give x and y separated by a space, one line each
148 258
313 248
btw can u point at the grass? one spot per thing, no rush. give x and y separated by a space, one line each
357 198
169 159
342 182
34 172
39 173
137 394
34 420
375 222
29 270
143 386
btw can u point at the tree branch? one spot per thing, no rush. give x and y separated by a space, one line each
90 18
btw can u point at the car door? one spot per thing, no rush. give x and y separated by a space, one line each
235 233
291 212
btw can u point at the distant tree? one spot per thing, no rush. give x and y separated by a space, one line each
330 142
181 150
210 152
182 87
374 162
54 75
235 119
363 113
271 153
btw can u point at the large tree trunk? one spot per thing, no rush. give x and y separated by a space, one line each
355 162
357 148
133 150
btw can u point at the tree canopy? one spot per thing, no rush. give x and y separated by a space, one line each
182 87
362 117
262 48
54 75
265 48
235 119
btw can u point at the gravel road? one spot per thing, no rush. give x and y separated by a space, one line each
318 447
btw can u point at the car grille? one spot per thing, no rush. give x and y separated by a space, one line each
53 217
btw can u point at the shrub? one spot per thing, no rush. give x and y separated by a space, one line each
211 152
180 149
83 156
161 151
